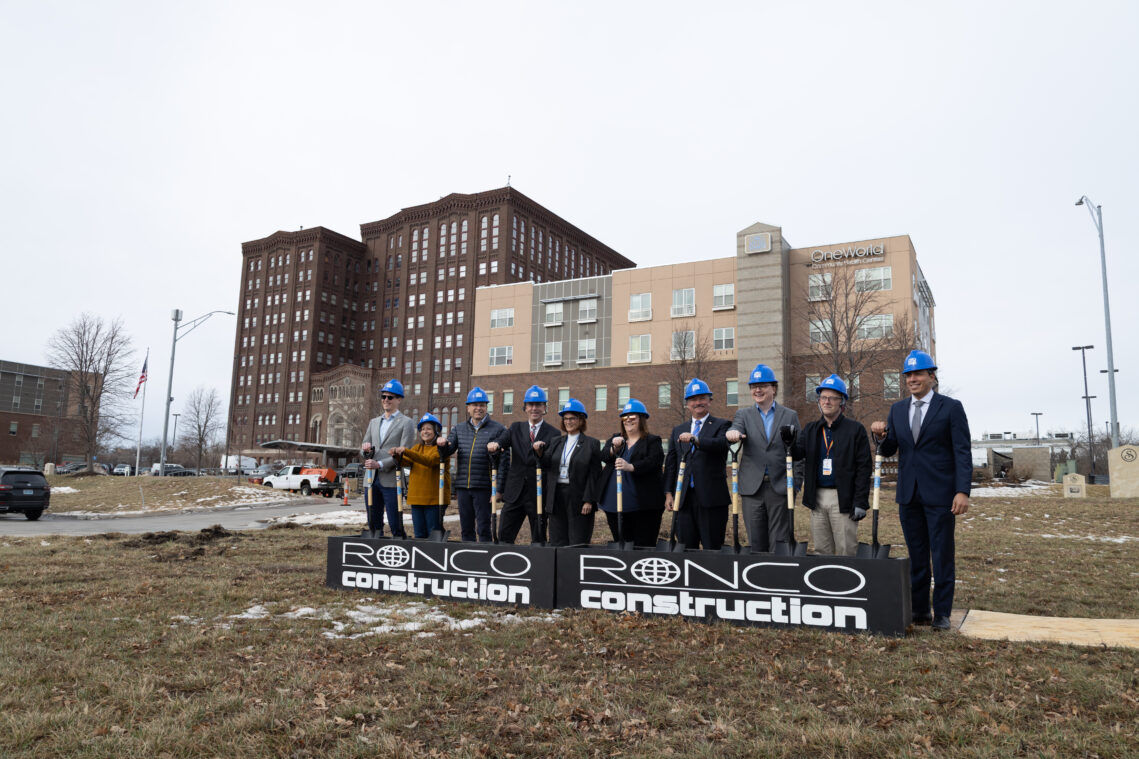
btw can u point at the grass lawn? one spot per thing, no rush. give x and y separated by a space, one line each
228 644
105 495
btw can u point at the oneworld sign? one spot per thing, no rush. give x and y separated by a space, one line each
847 253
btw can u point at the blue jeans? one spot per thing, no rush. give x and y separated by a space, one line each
424 519
474 513
929 535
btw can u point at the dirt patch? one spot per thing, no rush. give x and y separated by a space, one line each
200 538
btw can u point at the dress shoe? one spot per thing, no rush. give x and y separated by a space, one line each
921 619
940 623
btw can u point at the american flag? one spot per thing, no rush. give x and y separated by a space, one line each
141 377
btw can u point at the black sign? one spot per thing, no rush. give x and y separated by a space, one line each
823 592
480 572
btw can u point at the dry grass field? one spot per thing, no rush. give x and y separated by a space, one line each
105 495
218 644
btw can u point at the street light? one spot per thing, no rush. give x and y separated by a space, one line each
176 317
1037 415
1097 219
1083 349
174 437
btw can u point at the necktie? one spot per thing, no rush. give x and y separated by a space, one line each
915 423
533 430
698 423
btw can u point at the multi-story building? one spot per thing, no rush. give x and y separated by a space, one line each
324 319
37 413
854 308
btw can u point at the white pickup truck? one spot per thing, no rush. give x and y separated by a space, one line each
307 480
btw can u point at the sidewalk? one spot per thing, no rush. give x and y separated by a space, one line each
995 625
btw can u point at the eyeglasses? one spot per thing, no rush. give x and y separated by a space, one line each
388 397
828 399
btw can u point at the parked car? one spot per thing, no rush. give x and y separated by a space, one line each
306 479
123 470
23 489
155 469
180 472
258 475
69 467
352 471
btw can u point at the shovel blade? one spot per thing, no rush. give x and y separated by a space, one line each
439 536
664 545
783 548
865 551
883 552
679 548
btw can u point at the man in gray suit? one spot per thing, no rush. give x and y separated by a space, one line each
763 478
391 430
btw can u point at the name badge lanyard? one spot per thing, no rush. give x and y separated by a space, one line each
567 452
828 443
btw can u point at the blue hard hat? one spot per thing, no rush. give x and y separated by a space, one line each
573 406
633 406
833 382
695 387
534 394
761 373
477 395
393 386
429 418
918 360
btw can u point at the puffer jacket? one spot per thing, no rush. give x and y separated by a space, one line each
469 445
423 484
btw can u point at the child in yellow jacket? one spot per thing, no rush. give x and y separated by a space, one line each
423 484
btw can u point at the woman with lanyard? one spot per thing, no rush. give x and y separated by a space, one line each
573 492
638 455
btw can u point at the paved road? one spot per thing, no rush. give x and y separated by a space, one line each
236 518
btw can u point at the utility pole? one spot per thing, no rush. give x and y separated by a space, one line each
1083 349
1037 414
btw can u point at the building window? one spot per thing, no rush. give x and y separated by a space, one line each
813 381
891 385
683 345
819 286
13 428
852 387
490 402
563 396
732 393
640 307
601 398
587 350
876 278
664 395
876 326
508 401
723 338
501 317
622 395
640 349
502 355
820 330
553 314
684 302
587 310
723 296
553 353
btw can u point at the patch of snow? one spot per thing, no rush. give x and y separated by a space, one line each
62 489
1031 487
1095 538
44 543
253 612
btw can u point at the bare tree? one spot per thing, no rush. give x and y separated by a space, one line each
852 332
98 356
203 418
689 356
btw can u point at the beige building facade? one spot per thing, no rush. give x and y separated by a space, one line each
851 308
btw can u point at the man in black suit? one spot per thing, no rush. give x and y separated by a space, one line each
930 433
519 471
703 516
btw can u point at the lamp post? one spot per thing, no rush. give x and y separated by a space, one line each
176 317
174 437
1097 219
1083 349
1037 414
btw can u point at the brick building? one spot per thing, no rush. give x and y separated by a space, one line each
323 319
37 415
643 333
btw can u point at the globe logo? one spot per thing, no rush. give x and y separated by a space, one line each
655 571
393 556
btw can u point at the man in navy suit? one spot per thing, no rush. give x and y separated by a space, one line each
935 466
703 517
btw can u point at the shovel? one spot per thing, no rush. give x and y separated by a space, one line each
369 476
440 535
620 544
790 548
735 547
399 496
540 538
671 544
875 550
494 497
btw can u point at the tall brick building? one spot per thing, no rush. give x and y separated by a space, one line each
37 415
323 319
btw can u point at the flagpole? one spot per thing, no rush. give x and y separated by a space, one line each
141 412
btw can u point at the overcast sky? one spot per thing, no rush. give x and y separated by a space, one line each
143 142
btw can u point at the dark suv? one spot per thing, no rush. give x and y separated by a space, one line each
23 489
